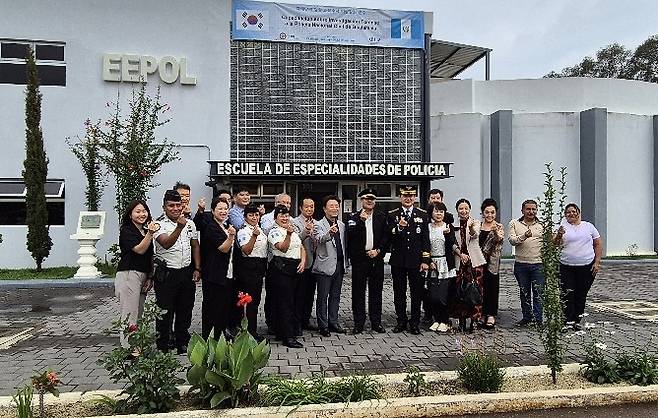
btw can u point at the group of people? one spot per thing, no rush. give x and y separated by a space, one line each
451 267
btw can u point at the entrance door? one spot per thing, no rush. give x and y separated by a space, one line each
316 191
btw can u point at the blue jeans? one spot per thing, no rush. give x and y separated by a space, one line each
531 285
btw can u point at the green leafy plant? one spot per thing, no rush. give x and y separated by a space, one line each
318 390
130 150
357 388
105 402
416 380
640 368
224 370
598 367
480 372
23 401
87 151
46 381
150 373
551 332
35 170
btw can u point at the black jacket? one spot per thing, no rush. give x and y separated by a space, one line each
355 235
410 246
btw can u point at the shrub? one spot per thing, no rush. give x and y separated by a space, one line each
639 369
415 379
23 401
150 373
317 390
597 366
480 372
227 370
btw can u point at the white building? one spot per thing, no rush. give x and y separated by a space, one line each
367 107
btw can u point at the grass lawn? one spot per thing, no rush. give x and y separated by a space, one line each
63 272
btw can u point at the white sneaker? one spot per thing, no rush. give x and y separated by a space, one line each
434 326
442 328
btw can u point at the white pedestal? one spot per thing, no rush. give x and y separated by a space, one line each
87 260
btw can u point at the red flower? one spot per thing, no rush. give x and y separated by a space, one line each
52 377
244 299
132 327
143 173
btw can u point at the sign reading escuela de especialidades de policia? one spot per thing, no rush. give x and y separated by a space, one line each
329 169
255 20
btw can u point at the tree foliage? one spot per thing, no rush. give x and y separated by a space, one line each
617 61
87 151
35 169
130 149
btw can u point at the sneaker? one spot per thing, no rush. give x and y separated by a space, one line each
442 328
523 323
434 326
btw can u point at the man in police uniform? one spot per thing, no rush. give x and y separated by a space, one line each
410 255
177 247
367 243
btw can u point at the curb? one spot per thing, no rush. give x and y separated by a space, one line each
56 283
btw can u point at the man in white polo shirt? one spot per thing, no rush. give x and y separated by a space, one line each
177 253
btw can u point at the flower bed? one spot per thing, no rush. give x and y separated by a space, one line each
524 388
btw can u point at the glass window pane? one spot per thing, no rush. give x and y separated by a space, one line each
50 52
13 50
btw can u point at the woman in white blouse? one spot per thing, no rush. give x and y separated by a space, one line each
285 268
580 261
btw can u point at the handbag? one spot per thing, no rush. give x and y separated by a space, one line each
438 290
468 291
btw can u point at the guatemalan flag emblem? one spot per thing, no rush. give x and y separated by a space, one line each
406 29
251 20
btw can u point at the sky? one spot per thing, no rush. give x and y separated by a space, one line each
529 38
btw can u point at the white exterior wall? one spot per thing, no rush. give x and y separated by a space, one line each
458 139
538 138
630 183
198 31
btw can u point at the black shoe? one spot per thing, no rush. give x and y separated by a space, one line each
357 330
309 327
258 337
523 323
414 329
181 350
337 329
577 327
292 343
324 332
400 328
378 328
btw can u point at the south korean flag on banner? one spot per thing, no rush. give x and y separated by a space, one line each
255 20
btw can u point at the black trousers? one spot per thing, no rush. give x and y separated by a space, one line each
175 295
370 272
304 298
575 282
400 277
217 309
490 293
249 279
283 277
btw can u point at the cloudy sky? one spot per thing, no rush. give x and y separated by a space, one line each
529 38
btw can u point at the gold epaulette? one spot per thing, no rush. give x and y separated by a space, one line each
393 210
425 254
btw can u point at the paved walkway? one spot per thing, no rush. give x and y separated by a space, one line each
68 323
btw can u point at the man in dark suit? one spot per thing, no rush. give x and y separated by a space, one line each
367 243
410 254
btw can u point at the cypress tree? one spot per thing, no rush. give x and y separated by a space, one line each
35 169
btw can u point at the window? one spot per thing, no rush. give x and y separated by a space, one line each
12 201
49 57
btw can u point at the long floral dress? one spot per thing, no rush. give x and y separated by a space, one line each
466 271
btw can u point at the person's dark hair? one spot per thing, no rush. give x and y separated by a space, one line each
462 200
181 185
572 205
326 200
126 220
171 196
250 209
436 206
280 209
216 200
239 189
489 202
222 191
435 191
528 202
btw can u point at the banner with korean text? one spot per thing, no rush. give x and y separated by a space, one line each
255 20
